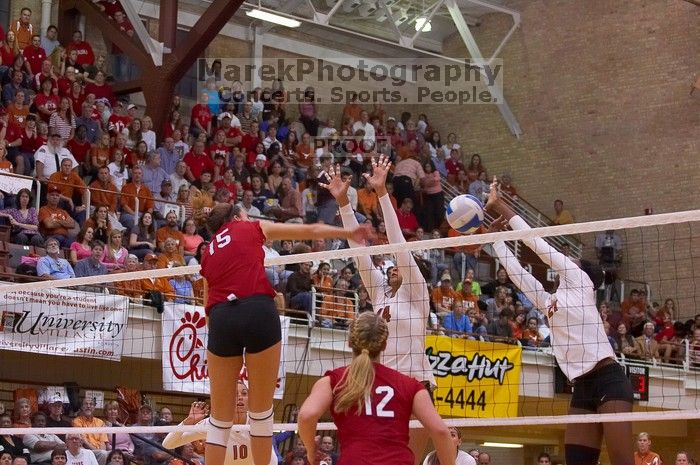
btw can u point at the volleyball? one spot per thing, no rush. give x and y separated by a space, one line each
465 213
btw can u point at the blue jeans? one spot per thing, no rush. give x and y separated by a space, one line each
301 301
470 263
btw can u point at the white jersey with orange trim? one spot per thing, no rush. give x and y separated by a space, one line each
578 337
238 451
407 311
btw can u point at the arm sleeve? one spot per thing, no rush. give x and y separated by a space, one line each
404 260
548 254
371 277
527 283
176 438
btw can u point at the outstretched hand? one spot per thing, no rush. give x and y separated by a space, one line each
380 170
493 198
363 234
337 187
499 224
198 411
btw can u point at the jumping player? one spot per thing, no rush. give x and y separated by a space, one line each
579 343
243 319
372 405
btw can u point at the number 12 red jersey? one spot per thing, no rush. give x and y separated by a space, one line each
233 263
379 434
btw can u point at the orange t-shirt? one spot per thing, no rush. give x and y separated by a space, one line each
143 193
334 306
158 284
96 440
169 260
17 116
54 213
650 458
305 155
99 198
165 232
367 202
444 297
67 185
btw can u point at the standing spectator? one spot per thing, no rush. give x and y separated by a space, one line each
647 347
22 28
201 118
54 221
135 189
34 56
49 156
24 221
92 265
86 56
433 198
52 266
407 175
561 216
644 455
76 454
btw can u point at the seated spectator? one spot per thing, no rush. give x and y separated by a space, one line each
506 186
500 326
625 342
171 256
131 288
92 265
183 289
672 350
103 192
75 453
694 350
178 177
197 162
161 285
299 287
469 281
95 442
165 201
118 169
290 208
153 175
647 347
101 223
456 321
142 238
24 221
247 204
187 452
80 248
260 193
191 239
11 444
135 189
52 266
531 335
55 417
407 219
368 202
122 441
41 445
144 452
69 185
608 247
170 230
444 296
115 253
364 303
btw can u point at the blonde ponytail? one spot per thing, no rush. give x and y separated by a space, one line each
368 336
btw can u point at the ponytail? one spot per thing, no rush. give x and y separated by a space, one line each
356 384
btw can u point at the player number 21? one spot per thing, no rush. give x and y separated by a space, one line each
221 240
381 411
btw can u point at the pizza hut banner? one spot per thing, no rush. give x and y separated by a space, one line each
63 322
184 334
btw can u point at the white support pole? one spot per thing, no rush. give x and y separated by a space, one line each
475 54
257 60
434 10
81 24
390 18
45 15
153 47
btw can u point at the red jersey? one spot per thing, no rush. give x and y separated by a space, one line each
13 132
30 144
383 422
220 184
51 102
233 264
79 150
103 91
116 124
202 114
217 149
35 56
85 54
198 163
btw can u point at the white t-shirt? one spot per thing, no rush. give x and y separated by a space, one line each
240 440
119 177
84 457
578 338
462 458
367 127
409 309
45 155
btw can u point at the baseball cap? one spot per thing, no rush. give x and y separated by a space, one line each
56 399
391 118
53 188
150 256
225 115
261 157
446 277
131 106
166 182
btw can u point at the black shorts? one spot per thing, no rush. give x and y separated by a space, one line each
603 384
247 325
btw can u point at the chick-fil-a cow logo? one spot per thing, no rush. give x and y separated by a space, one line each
186 349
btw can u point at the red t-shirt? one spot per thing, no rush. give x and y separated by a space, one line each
237 264
249 142
79 151
234 132
30 144
85 54
51 102
198 163
64 87
35 56
103 91
220 184
111 7
116 124
202 114
391 405
124 27
217 149
408 221
14 132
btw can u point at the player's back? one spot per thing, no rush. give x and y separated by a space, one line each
379 434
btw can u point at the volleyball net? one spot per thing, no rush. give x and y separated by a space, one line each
489 337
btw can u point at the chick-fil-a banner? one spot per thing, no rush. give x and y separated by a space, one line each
184 333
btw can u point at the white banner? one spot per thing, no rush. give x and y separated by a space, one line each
184 333
12 184
63 322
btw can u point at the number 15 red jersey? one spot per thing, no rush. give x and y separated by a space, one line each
233 263
379 434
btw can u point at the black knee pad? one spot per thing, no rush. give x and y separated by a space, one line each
576 454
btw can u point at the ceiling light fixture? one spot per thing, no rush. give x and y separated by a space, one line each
273 18
504 445
420 21
367 9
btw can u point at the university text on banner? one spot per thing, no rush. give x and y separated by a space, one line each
184 337
64 322
474 378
